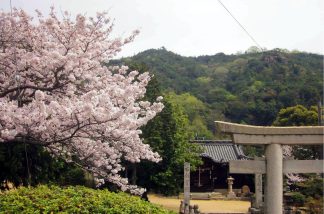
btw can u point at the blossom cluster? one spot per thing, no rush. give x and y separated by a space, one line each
56 91
292 177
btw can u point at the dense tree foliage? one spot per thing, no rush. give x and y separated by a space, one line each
168 134
297 116
197 113
26 164
247 88
300 116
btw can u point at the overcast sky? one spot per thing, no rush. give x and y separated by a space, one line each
203 27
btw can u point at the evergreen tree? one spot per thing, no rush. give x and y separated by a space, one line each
300 116
168 134
297 116
26 164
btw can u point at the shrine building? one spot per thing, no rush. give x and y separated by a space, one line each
212 175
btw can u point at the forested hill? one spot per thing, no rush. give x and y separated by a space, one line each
247 88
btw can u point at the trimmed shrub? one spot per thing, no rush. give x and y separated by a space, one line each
298 198
78 199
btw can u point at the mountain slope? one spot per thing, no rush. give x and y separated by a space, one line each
248 88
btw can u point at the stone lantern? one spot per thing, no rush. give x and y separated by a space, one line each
230 193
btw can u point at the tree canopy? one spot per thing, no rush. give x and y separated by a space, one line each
247 88
55 91
300 116
168 134
297 116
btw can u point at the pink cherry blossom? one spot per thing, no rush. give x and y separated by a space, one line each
292 177
56 91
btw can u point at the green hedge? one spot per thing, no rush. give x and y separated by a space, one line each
298 198
54 199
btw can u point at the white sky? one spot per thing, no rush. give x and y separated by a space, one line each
203 27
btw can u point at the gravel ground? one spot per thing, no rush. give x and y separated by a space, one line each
205 206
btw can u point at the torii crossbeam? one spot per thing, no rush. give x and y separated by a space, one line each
274 166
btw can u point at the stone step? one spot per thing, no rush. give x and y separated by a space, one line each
206 196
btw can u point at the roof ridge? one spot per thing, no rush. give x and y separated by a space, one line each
222 152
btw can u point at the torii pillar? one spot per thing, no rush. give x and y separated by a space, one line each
274 182
274 138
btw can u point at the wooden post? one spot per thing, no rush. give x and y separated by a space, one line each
186 187
199 184
258 185
258 190
319 113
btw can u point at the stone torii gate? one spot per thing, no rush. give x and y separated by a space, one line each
274 166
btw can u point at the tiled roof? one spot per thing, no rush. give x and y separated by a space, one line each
221 151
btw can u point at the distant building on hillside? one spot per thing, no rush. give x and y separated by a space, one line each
212 175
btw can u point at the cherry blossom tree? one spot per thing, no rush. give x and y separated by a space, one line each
56 91
288 154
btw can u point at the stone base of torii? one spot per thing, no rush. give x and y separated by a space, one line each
273 166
